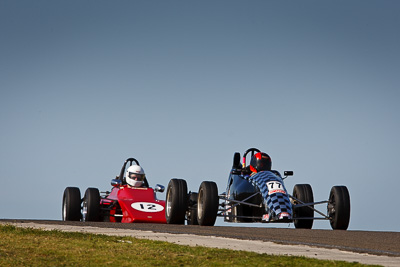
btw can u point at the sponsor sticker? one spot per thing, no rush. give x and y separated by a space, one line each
275 187
147 207
276 191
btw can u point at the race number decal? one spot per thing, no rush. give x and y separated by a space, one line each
147 207
275 187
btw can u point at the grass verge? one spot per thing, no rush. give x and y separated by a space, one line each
33 247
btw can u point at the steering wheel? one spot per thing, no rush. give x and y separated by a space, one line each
253 151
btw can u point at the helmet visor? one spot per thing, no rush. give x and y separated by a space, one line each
136 176
264 164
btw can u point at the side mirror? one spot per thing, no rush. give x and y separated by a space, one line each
159 188
116 182
288 173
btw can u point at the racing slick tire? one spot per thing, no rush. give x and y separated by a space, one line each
304 193
339 207
71 207
176 201
207 203
191 213
91 205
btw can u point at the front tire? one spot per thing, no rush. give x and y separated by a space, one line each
71 207
91 205
304 193
339 208
176 201
207 203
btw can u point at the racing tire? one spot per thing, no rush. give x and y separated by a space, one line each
176 202
71 207
339 208
191 214
304 193
91 205
207 203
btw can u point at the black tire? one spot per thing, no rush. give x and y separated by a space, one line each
191 213
339 207
304 193
207 203
71 207
91 205
176 202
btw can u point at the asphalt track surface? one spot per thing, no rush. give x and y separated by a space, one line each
375 243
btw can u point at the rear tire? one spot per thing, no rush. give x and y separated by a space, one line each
304 193
207 203
339 208
176 201
91 205
71 207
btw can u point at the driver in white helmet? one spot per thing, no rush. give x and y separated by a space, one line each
135 176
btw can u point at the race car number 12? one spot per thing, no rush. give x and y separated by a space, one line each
147 207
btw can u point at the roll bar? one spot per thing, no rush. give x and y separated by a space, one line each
130 160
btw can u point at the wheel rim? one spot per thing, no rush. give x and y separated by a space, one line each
84 211
331 207
168 204
200 205
64 210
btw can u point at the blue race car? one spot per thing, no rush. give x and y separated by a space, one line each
255 193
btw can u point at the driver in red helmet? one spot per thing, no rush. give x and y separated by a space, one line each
260 162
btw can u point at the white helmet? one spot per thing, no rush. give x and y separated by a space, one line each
135 176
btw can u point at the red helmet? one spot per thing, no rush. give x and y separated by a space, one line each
260 162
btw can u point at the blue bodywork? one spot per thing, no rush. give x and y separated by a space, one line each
264 191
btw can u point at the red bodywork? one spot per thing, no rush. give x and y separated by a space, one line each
137 205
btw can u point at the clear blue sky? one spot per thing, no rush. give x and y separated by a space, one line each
182 85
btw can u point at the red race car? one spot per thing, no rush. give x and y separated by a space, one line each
130 201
